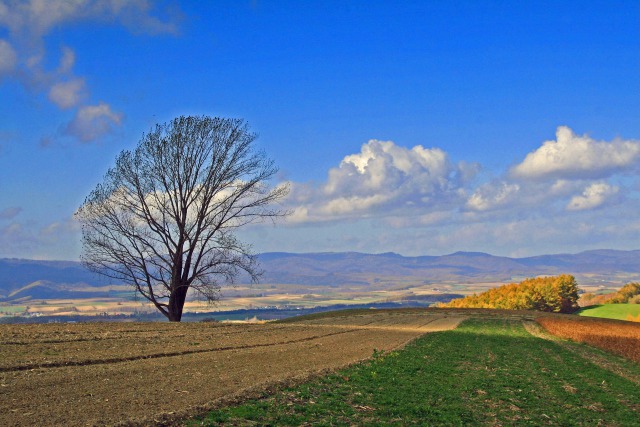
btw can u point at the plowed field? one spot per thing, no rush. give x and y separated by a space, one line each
88 374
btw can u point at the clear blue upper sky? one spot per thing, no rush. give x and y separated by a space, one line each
420 127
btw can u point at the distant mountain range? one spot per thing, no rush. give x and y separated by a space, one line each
23 279
465 267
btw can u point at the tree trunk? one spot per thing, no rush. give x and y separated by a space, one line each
176 302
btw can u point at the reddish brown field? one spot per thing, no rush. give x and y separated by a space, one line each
104 374
618 337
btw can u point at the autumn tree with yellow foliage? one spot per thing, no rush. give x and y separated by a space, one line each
558 294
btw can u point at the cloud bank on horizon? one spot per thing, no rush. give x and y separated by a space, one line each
559 190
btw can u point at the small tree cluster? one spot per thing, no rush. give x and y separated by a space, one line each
628 294
557 294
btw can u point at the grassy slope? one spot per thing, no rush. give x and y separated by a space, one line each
486 372
612 311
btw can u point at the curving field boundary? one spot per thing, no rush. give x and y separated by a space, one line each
87 362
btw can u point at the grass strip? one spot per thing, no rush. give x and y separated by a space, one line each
486 372
613 311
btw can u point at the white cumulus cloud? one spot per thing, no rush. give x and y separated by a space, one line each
383 177
383 165
593 196
572 156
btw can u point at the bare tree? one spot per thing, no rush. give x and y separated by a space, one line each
164 218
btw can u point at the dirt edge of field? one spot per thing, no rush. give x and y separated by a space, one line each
182 417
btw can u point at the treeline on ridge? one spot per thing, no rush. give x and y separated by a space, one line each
628 294
557 294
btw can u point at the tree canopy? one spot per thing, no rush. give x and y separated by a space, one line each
165 216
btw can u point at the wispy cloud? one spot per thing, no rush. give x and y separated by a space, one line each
92 121
55 240
23 53
67 94
10 213
38 17
8 59
491 196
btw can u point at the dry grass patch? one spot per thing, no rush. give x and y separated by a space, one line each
618 337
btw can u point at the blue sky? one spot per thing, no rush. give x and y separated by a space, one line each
415 127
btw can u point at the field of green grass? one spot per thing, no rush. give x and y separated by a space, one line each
12 309
612 311
486 372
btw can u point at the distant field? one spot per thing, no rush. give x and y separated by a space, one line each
613 311
241 297
10 310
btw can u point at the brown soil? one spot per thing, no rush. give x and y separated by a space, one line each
88 374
